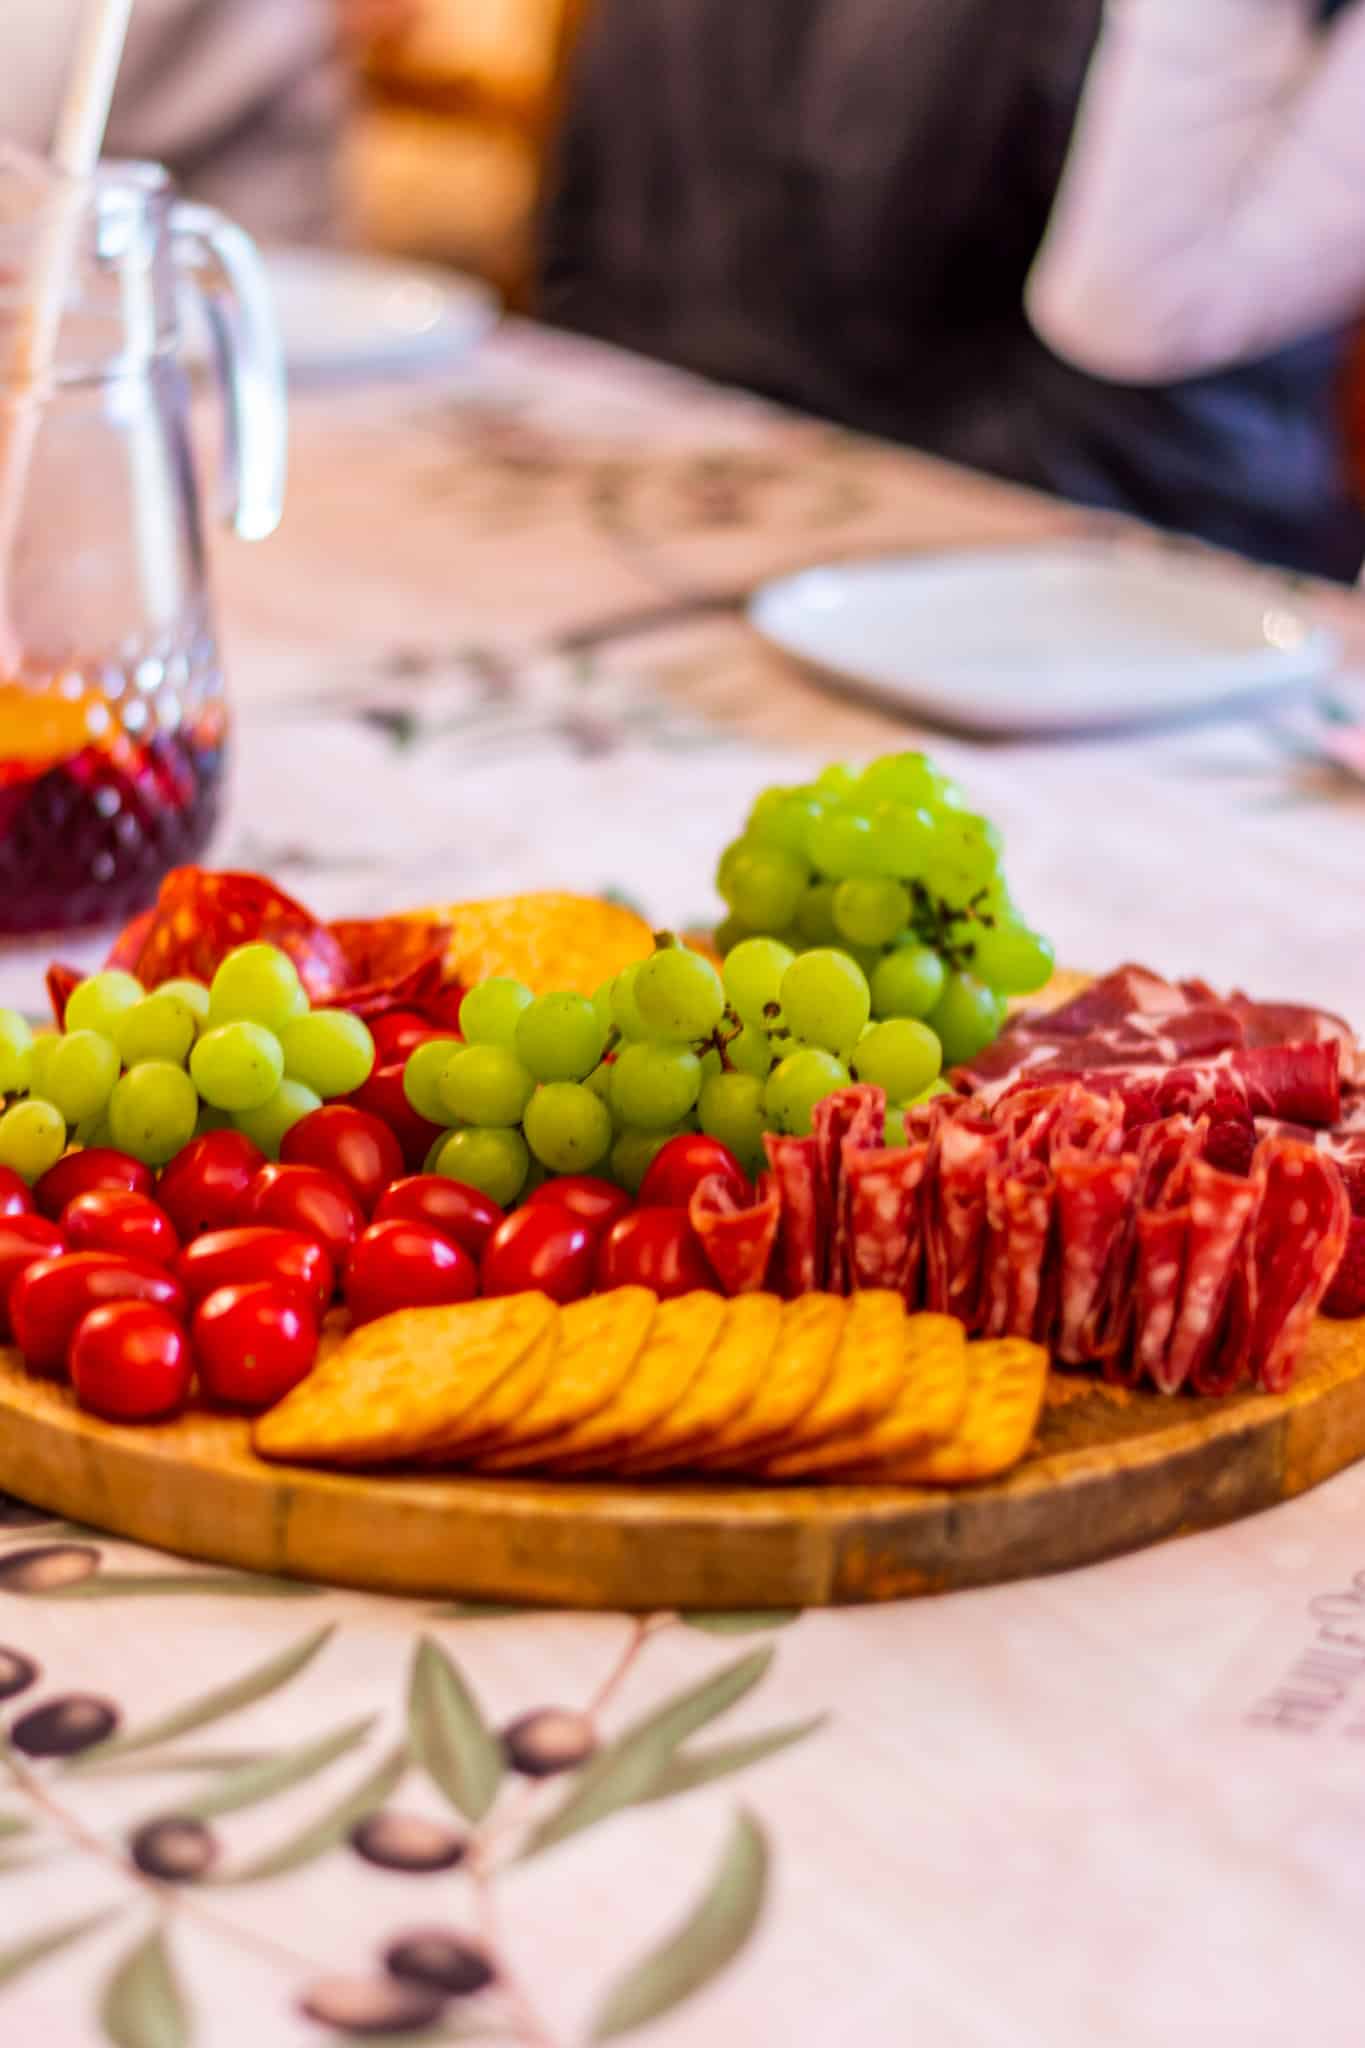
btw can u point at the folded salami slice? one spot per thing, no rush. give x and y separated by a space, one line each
738 1239
803 1235
1301 1233
971 1152
886 1223
843 1125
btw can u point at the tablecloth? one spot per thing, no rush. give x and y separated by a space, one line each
501 643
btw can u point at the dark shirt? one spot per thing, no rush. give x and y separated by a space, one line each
836 203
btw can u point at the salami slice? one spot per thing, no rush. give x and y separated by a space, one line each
971 1151
803 1234
738 1239
1219 1214
886 1224
200 916
843 1125
1301 1233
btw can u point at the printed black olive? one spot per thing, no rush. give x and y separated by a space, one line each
47 1567
550 1740
371 2006
405 1841
177 1849
446 1962
17 1673
64 1726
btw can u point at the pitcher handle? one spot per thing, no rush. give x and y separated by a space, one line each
226 267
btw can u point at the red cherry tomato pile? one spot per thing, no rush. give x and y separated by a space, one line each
223 1269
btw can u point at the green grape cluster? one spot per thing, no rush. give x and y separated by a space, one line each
145 1070
892 891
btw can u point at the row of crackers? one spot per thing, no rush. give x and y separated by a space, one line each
622 1385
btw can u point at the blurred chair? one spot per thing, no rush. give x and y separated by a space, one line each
447 152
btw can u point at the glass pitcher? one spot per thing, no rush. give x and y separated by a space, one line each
113 723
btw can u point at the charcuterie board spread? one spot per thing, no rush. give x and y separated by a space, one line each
515 1251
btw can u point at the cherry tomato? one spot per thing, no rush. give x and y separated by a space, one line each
16 1197
231 1258
50 1298
595 1202
541 1249
306 1199
383 1096
350 1143
24 1240
402 1264
676 1172
117 1220
655 1248
81 1173
130 1362
253 1343
398 1031
463 1214
205 1186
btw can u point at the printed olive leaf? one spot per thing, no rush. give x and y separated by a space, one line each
708 1940
694 1767
626 1770
184 1762
210 1706
143 2005
35 1948
742 1622
449 1738
330 1829
244 1585
256 1782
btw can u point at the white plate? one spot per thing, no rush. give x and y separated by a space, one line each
343 313
1072 636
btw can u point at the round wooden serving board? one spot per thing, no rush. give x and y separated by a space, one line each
1111 1471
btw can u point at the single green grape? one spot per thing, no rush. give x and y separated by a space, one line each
190 991
825 998
485 1085
731 1110
782 818
257 984
902 841
729 933
153 1111
434 1151
902 1056
624 1014
909 778
796 1084
965 859
907 982
870 910
633 1154
237 1066
559 1038
653 1086
494 1161
966 1018
1011 959
568 1128
489 1013
330 1051
751 1052
267 1124
839 843
81 1074
711 1063
599 1081
838 780
815 924
753 977
678 994
422 1078
16 1053
32 1138
763 885
161 1027
45 1044
97 1004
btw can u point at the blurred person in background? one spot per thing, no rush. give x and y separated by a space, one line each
837 203
1213 205
242 99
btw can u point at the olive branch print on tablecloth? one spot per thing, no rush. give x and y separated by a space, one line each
514 1795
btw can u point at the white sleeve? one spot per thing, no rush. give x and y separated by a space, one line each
1213 204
